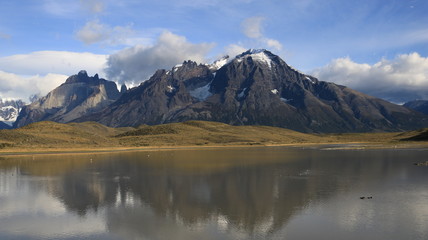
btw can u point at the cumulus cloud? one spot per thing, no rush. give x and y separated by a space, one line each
273 43
399 80
95 32
59 62
138 63
253 28
232 50
13 86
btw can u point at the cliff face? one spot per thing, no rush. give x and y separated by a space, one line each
78 96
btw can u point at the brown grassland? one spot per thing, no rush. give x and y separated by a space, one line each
51 137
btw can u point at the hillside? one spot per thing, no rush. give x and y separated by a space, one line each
419 135
91 136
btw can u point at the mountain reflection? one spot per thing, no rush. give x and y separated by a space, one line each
150 193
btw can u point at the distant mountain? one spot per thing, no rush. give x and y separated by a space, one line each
9 110
254 88
418 105
78 96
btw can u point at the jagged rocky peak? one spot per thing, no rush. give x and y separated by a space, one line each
82 76
123 88
79 95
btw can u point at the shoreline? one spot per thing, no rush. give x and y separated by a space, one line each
105 150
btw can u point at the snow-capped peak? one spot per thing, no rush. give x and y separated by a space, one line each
259 55
219 63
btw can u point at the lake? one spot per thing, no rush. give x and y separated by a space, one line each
235 193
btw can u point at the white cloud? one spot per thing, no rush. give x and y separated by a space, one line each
59 62
95 32
399 80
253 28
273 43
233 50
13 86
138 63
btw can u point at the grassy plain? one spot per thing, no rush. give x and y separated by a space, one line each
51 137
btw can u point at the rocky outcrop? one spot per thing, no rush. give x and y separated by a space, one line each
80 95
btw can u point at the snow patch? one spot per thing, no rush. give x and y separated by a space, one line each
201 93
258 55
286 100
274 91
176 67
309 79
262 57
219 63
170 88
242 93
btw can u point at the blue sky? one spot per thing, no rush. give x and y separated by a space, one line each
43 41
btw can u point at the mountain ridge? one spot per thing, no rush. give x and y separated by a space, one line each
256 87
418 105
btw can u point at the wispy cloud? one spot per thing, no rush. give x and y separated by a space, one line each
61 8
399 80
96 32
253 28
94 6
5 36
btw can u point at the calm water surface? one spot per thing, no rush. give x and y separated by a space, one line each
248 193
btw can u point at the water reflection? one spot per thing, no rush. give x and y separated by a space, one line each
254 193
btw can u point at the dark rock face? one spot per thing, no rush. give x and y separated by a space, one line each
157 100
255 88
418 105
4 126
78 96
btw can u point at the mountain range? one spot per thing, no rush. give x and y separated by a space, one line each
253 88
9 110
418 105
